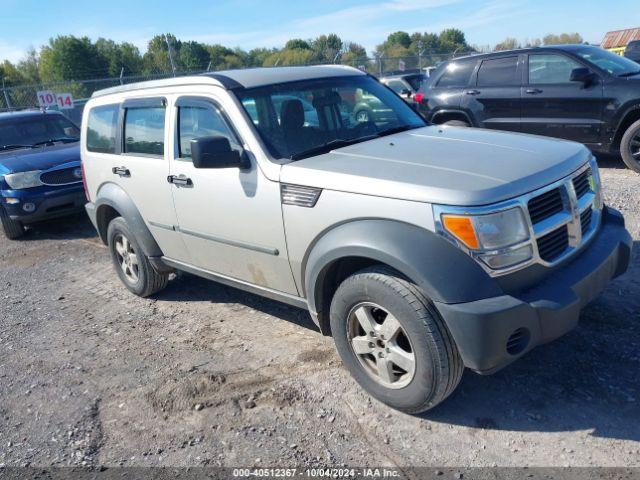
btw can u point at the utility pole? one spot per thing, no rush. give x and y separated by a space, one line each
420 52
173 66
121 75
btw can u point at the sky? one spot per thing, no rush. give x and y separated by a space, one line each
270 23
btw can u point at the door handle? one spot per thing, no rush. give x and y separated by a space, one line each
533 91
121 171
473 92
180 181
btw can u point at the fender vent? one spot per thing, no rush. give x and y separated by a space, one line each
299 195
518 341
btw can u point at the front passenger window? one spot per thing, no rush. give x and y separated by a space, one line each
195 122
550 69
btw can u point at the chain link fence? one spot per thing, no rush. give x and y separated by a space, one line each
25 96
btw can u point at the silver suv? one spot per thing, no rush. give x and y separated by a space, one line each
421 249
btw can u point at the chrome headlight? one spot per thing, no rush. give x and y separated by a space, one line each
23 179
499 240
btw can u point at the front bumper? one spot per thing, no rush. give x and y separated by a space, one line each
46 205
493 332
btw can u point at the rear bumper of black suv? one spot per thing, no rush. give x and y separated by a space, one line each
493 332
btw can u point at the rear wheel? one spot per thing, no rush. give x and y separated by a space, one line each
630 147
393 341
131 264
13 229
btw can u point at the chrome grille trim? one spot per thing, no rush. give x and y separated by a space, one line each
569 217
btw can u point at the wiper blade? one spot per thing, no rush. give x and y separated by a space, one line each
330 145
53 140
12 146
629 74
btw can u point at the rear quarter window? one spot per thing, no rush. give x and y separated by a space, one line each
456 74
102 125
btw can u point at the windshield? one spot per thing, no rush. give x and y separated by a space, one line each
37 129
300 119
612 63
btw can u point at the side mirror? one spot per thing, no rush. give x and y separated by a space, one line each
216 152
406 93
582 74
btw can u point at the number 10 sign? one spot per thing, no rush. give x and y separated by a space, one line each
47 98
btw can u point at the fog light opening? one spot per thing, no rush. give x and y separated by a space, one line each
518 341
29 207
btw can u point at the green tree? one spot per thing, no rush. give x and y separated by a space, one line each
398 38
294 56
297 43
28 67
193 56
156 59
451 40
120 56
9 74
508 43
563 38
354 54
326 47
71 58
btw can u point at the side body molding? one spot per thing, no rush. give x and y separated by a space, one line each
444 272
112 195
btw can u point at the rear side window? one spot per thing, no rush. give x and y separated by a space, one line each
101 129
397 86
144 131
196 122
497 72
456 74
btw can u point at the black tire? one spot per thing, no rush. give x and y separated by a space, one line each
438 365
456 123
12 228
146 280
630 147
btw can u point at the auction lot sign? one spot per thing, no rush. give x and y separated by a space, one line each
46 99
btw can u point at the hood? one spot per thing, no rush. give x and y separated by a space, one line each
445 165
41 158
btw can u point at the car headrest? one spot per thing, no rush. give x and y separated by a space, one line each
292 114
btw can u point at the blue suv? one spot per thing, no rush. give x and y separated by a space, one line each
40 171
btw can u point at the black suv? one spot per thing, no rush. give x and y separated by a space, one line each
632 51
575 92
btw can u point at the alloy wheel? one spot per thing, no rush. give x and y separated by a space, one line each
634 146
381 345
127 258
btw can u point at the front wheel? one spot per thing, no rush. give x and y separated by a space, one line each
393 341
12 228
131 264
630 147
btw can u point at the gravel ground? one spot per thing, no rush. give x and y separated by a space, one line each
208 375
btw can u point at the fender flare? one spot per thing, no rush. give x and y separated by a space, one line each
634 106
444 111
112 195
443 271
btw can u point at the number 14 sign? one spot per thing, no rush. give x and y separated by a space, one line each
47 98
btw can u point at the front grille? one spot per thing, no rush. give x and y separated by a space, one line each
545 205
585 220
62 176
553 244
581 183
